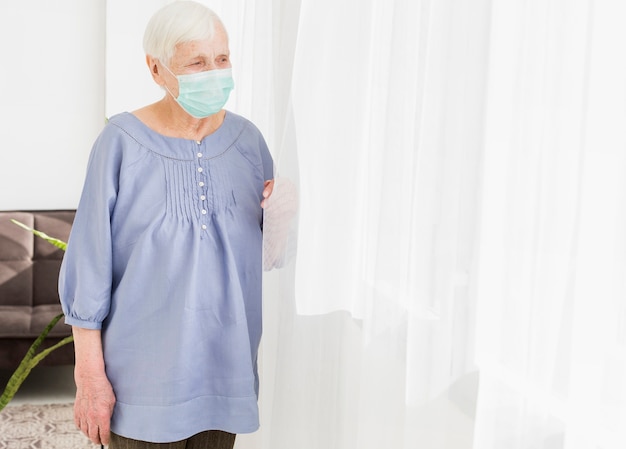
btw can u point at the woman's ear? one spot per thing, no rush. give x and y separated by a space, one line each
154 70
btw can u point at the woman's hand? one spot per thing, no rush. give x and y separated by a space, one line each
94 394
94 406
268 187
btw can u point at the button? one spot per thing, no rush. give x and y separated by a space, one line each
203 226
199 154
203 197
200 170
198 142
203 211
201 184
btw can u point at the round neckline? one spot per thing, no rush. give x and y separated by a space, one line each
217 131
179 148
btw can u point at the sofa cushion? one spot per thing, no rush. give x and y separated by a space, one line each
29 270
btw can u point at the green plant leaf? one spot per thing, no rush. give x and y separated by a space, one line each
30 360
56 242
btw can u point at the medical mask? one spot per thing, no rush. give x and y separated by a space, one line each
204 93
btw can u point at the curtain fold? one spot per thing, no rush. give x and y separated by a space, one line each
376 349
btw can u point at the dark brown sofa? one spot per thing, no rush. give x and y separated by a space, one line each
29 270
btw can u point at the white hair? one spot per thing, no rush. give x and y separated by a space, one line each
177 23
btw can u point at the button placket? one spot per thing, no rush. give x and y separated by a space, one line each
202 189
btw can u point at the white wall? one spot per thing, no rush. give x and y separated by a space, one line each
52 107
129 85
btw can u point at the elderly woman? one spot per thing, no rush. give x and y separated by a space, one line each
161 280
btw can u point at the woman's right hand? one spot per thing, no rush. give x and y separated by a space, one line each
94 406
95 398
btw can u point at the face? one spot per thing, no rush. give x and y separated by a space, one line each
193 57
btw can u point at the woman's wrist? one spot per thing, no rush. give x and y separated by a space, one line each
89 356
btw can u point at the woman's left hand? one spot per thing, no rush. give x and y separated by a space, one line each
268 187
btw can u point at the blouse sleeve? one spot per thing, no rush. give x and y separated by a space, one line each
268 163
256 150
86 271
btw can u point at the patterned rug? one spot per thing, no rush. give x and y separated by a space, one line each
49 426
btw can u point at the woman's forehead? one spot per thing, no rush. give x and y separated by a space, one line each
205 47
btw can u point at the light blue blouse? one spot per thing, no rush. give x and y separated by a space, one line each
165 257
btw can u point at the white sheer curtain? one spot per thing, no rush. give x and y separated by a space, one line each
459 278
377 348
551 294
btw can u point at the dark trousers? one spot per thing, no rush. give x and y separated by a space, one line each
211 439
